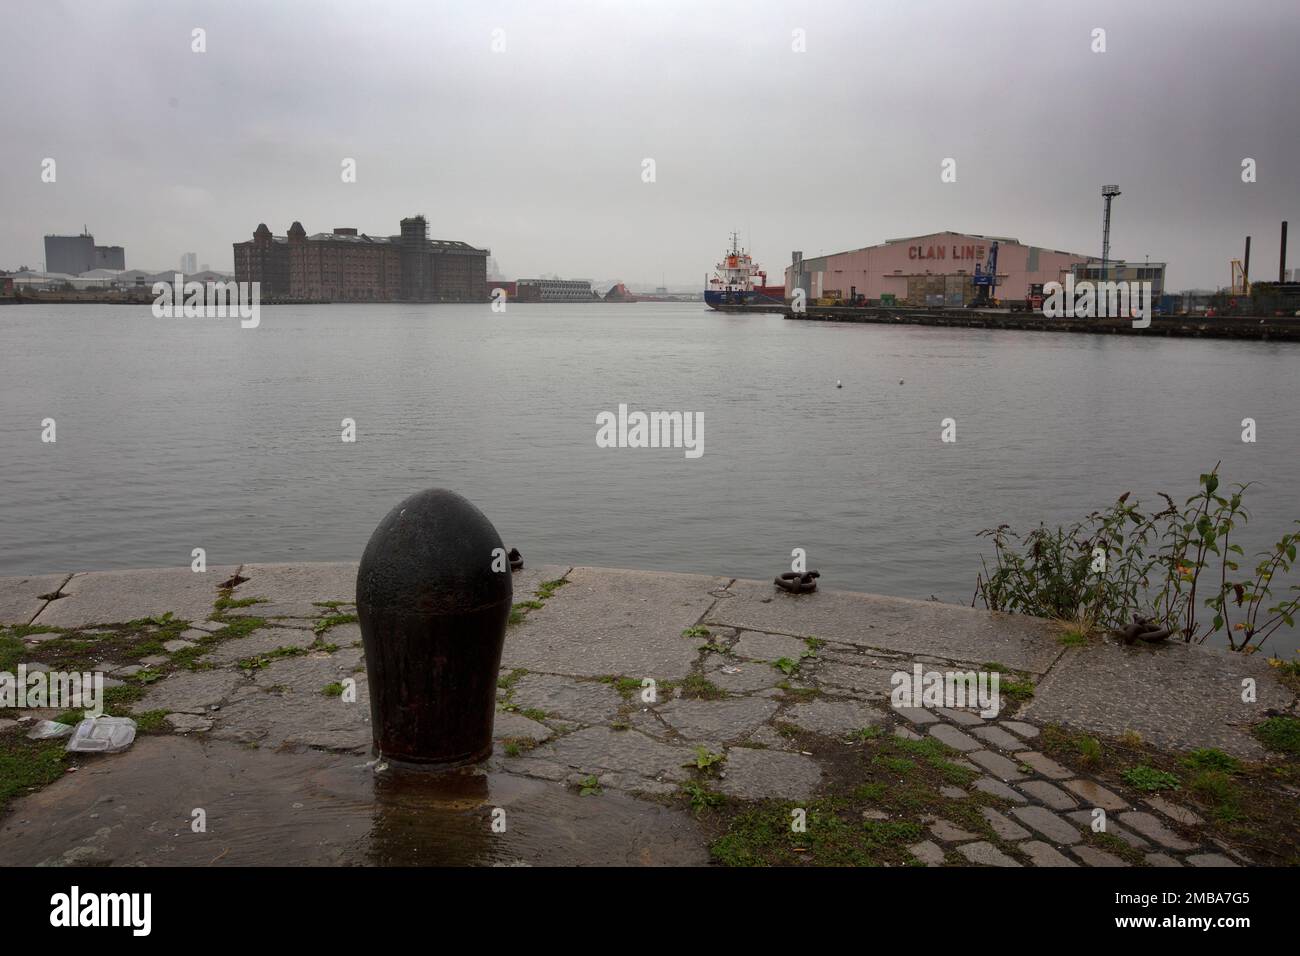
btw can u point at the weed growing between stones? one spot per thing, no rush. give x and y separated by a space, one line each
706 762
1249 805
225 602
699 687
544 592
265 660
1177 567
506 682
1148 779
875 802
326 624
27 765
1073 635
627 686
1089 751
701 797
785 665
1281 734
1015 686
517 746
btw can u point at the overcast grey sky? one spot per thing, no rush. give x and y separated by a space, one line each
536 152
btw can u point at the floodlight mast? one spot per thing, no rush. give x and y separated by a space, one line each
1108 193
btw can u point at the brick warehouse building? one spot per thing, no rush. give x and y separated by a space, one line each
937 269
347 266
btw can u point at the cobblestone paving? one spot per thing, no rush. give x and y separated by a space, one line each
635 720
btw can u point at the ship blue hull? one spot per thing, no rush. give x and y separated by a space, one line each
716 300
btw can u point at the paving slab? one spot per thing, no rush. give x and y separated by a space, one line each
1176 696
917 715
1084 819
1174 812
1151 828
832 717
985 854
1048 824
757 646
761 774
996 788
866 620
284 705
1053 796
947 734
1095 795
112 597
1044 765
509 725
996 764
20 597
1002 826
734 718
599 750
587 702
870 680
299 583
998 737
1028 731
295 590
948 832
189 723
615 622
927 852
262 641
1094 857
190 692
529 578
1042 854
740 677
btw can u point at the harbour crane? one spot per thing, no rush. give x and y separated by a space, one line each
986 281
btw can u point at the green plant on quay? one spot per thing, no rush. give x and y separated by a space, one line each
1176 567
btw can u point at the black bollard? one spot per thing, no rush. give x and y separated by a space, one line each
433 615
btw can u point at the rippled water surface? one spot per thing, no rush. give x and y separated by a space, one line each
183 433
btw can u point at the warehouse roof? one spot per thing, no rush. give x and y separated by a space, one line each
955 232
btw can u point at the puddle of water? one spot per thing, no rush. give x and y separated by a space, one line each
305 809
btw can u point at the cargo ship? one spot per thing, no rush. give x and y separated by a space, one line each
732 282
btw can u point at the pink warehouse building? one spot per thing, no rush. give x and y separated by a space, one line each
936 269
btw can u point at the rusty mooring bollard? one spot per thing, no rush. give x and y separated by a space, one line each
433 615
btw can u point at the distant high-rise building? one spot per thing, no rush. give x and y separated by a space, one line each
189 263
77 254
